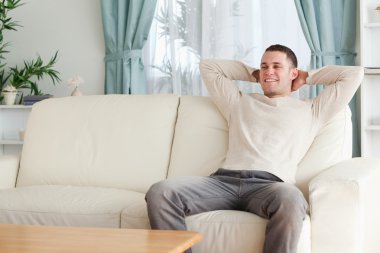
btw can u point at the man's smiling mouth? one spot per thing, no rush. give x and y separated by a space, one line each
269 80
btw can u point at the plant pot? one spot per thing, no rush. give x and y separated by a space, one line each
9 97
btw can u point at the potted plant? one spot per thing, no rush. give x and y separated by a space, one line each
9 94
26 77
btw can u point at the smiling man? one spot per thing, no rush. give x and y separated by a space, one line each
277 73
268 136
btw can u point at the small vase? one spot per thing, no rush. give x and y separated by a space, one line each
374 15
9 97
76 92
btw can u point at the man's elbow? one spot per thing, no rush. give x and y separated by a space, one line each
205 66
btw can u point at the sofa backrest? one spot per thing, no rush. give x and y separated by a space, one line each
127 141
107 140
201 139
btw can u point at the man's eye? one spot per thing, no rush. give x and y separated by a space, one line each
264 67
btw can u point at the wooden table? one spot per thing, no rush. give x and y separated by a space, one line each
47 239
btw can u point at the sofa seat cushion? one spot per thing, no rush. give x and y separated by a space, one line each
65 205
224 231
236 231
135 216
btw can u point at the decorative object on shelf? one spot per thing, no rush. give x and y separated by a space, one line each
375 14
75 82
24 78
30 100
9 94
21 134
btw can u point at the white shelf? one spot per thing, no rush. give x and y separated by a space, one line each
372 71
11 142
13 119
372 128
370 88
15 106
372 25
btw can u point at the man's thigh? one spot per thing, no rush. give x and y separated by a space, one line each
200 194
260 197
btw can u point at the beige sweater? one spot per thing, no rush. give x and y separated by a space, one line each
273 134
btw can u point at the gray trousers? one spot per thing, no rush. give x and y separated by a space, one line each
258 192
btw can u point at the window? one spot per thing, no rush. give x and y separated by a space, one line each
183 31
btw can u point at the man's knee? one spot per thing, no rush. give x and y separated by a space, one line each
161 191
289 201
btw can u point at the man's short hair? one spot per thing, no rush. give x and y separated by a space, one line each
289 53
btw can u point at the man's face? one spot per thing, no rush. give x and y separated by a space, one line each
276 74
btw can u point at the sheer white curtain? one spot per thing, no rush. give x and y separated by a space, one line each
183 31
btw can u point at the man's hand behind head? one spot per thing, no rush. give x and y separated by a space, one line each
300 80
256 75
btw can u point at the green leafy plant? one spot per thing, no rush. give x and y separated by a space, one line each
21 78
6 24
27 76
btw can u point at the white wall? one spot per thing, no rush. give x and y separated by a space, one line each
74 27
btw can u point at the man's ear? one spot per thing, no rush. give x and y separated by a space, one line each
294 73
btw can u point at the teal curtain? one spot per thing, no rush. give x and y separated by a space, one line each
330 31
126 24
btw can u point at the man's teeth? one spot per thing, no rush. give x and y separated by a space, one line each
270 80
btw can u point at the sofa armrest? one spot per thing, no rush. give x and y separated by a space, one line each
9 165
344 207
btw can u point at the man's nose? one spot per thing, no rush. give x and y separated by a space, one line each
269 71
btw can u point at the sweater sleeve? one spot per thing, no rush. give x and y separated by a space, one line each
342 83
219 76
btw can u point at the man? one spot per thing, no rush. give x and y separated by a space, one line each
268 136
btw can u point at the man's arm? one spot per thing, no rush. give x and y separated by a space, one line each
341 84
219 76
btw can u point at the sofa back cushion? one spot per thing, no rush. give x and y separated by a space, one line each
332 144
116 141
201 139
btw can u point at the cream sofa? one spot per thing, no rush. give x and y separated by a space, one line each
87 161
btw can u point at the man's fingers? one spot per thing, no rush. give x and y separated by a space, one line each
296 85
